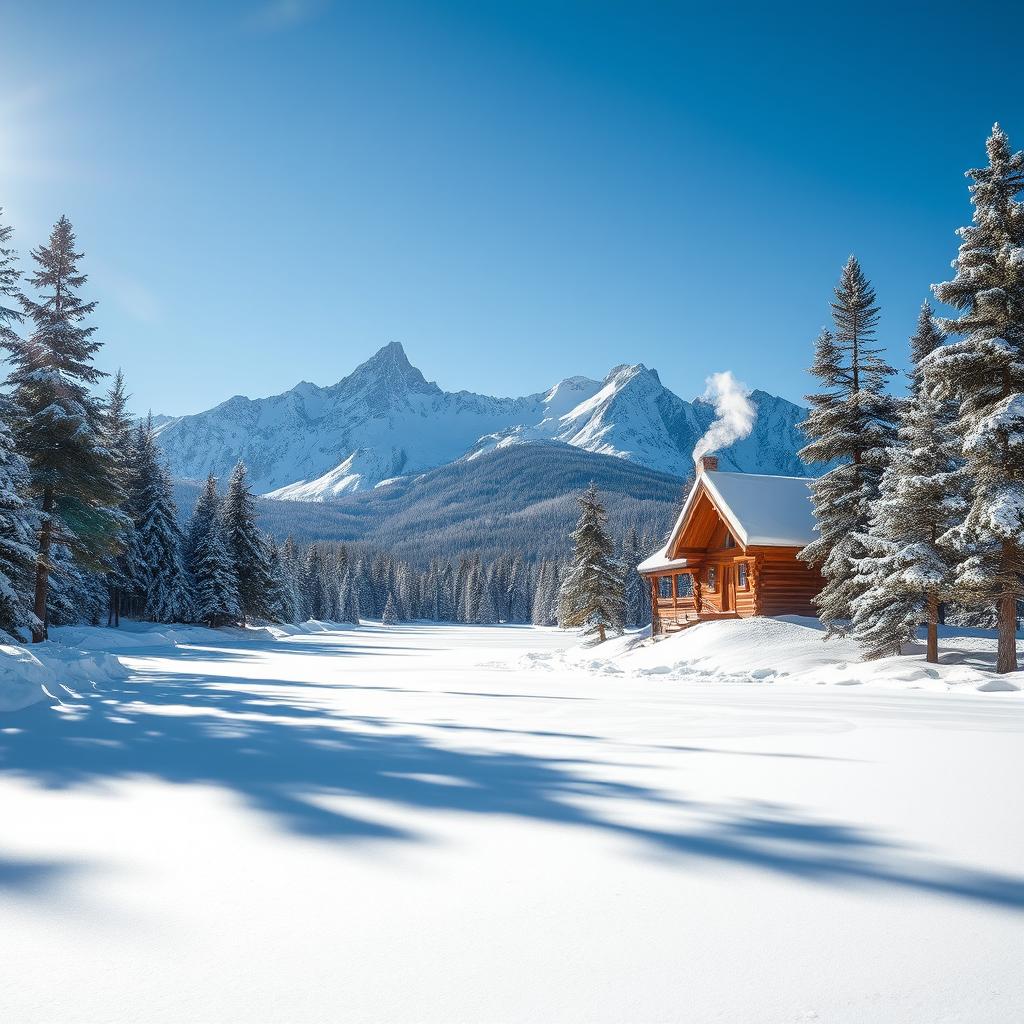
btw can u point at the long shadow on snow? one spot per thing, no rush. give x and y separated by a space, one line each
289 758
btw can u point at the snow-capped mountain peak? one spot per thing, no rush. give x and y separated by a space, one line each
385 419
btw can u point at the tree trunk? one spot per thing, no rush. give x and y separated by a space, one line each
1006 650
43 569
932 653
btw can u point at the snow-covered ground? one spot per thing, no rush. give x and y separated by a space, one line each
791 649
438 823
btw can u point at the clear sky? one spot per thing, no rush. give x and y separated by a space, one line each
518 192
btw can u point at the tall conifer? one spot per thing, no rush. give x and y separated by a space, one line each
58 421
245 542
592 594
852 421
984 372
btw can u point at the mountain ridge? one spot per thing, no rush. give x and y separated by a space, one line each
385 420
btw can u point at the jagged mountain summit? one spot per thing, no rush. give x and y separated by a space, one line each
386 420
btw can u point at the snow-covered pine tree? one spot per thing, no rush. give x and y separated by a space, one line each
9 276
390 617
245 542
363 588
165 584
211 569
58 422
635 590
348 600
277 604
923 342
446 593
909 563
852 420
592 595
407 591
485 613
118 437
17 535
518 598
541 595
75 594
382 574
314 587
291 565
984 371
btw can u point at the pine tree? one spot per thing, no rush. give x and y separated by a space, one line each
635 590
923 342
591 595
119 440
130 566
314 586
349 600
164 583
211 569
291 567
277 604
363 589
245 543
851 421
9 276
909 565
58 422
541 596
984 372
17 525
390 617
486 612
75 594
406 586
518 597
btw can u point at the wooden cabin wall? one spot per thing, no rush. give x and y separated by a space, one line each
785 585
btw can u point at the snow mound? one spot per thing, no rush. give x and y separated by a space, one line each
793 649
51 670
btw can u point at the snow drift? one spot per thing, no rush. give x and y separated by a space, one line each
791 649
51 670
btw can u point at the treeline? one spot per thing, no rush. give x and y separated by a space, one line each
926 505
334 582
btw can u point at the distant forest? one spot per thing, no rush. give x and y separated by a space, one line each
521 498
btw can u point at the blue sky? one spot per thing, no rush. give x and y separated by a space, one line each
516 191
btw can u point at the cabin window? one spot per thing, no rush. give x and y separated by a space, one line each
684 585
741 576
730 541
712 577
665 587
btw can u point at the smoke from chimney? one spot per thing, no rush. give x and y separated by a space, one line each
734 413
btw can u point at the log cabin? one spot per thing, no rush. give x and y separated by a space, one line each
733 551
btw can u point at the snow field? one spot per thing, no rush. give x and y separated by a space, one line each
442 823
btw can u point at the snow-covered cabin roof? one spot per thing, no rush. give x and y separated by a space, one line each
660 560
773 511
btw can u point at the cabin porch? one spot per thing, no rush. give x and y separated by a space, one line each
705 590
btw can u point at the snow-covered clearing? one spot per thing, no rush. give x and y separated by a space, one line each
430 823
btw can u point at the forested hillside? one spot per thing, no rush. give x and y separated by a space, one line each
521 498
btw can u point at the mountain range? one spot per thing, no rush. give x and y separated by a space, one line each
385 421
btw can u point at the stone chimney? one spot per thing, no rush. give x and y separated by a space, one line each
707 464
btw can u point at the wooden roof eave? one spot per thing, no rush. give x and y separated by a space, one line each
720 506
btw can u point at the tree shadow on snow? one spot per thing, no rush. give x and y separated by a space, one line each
291 760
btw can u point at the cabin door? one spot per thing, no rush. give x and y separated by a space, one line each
727 588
